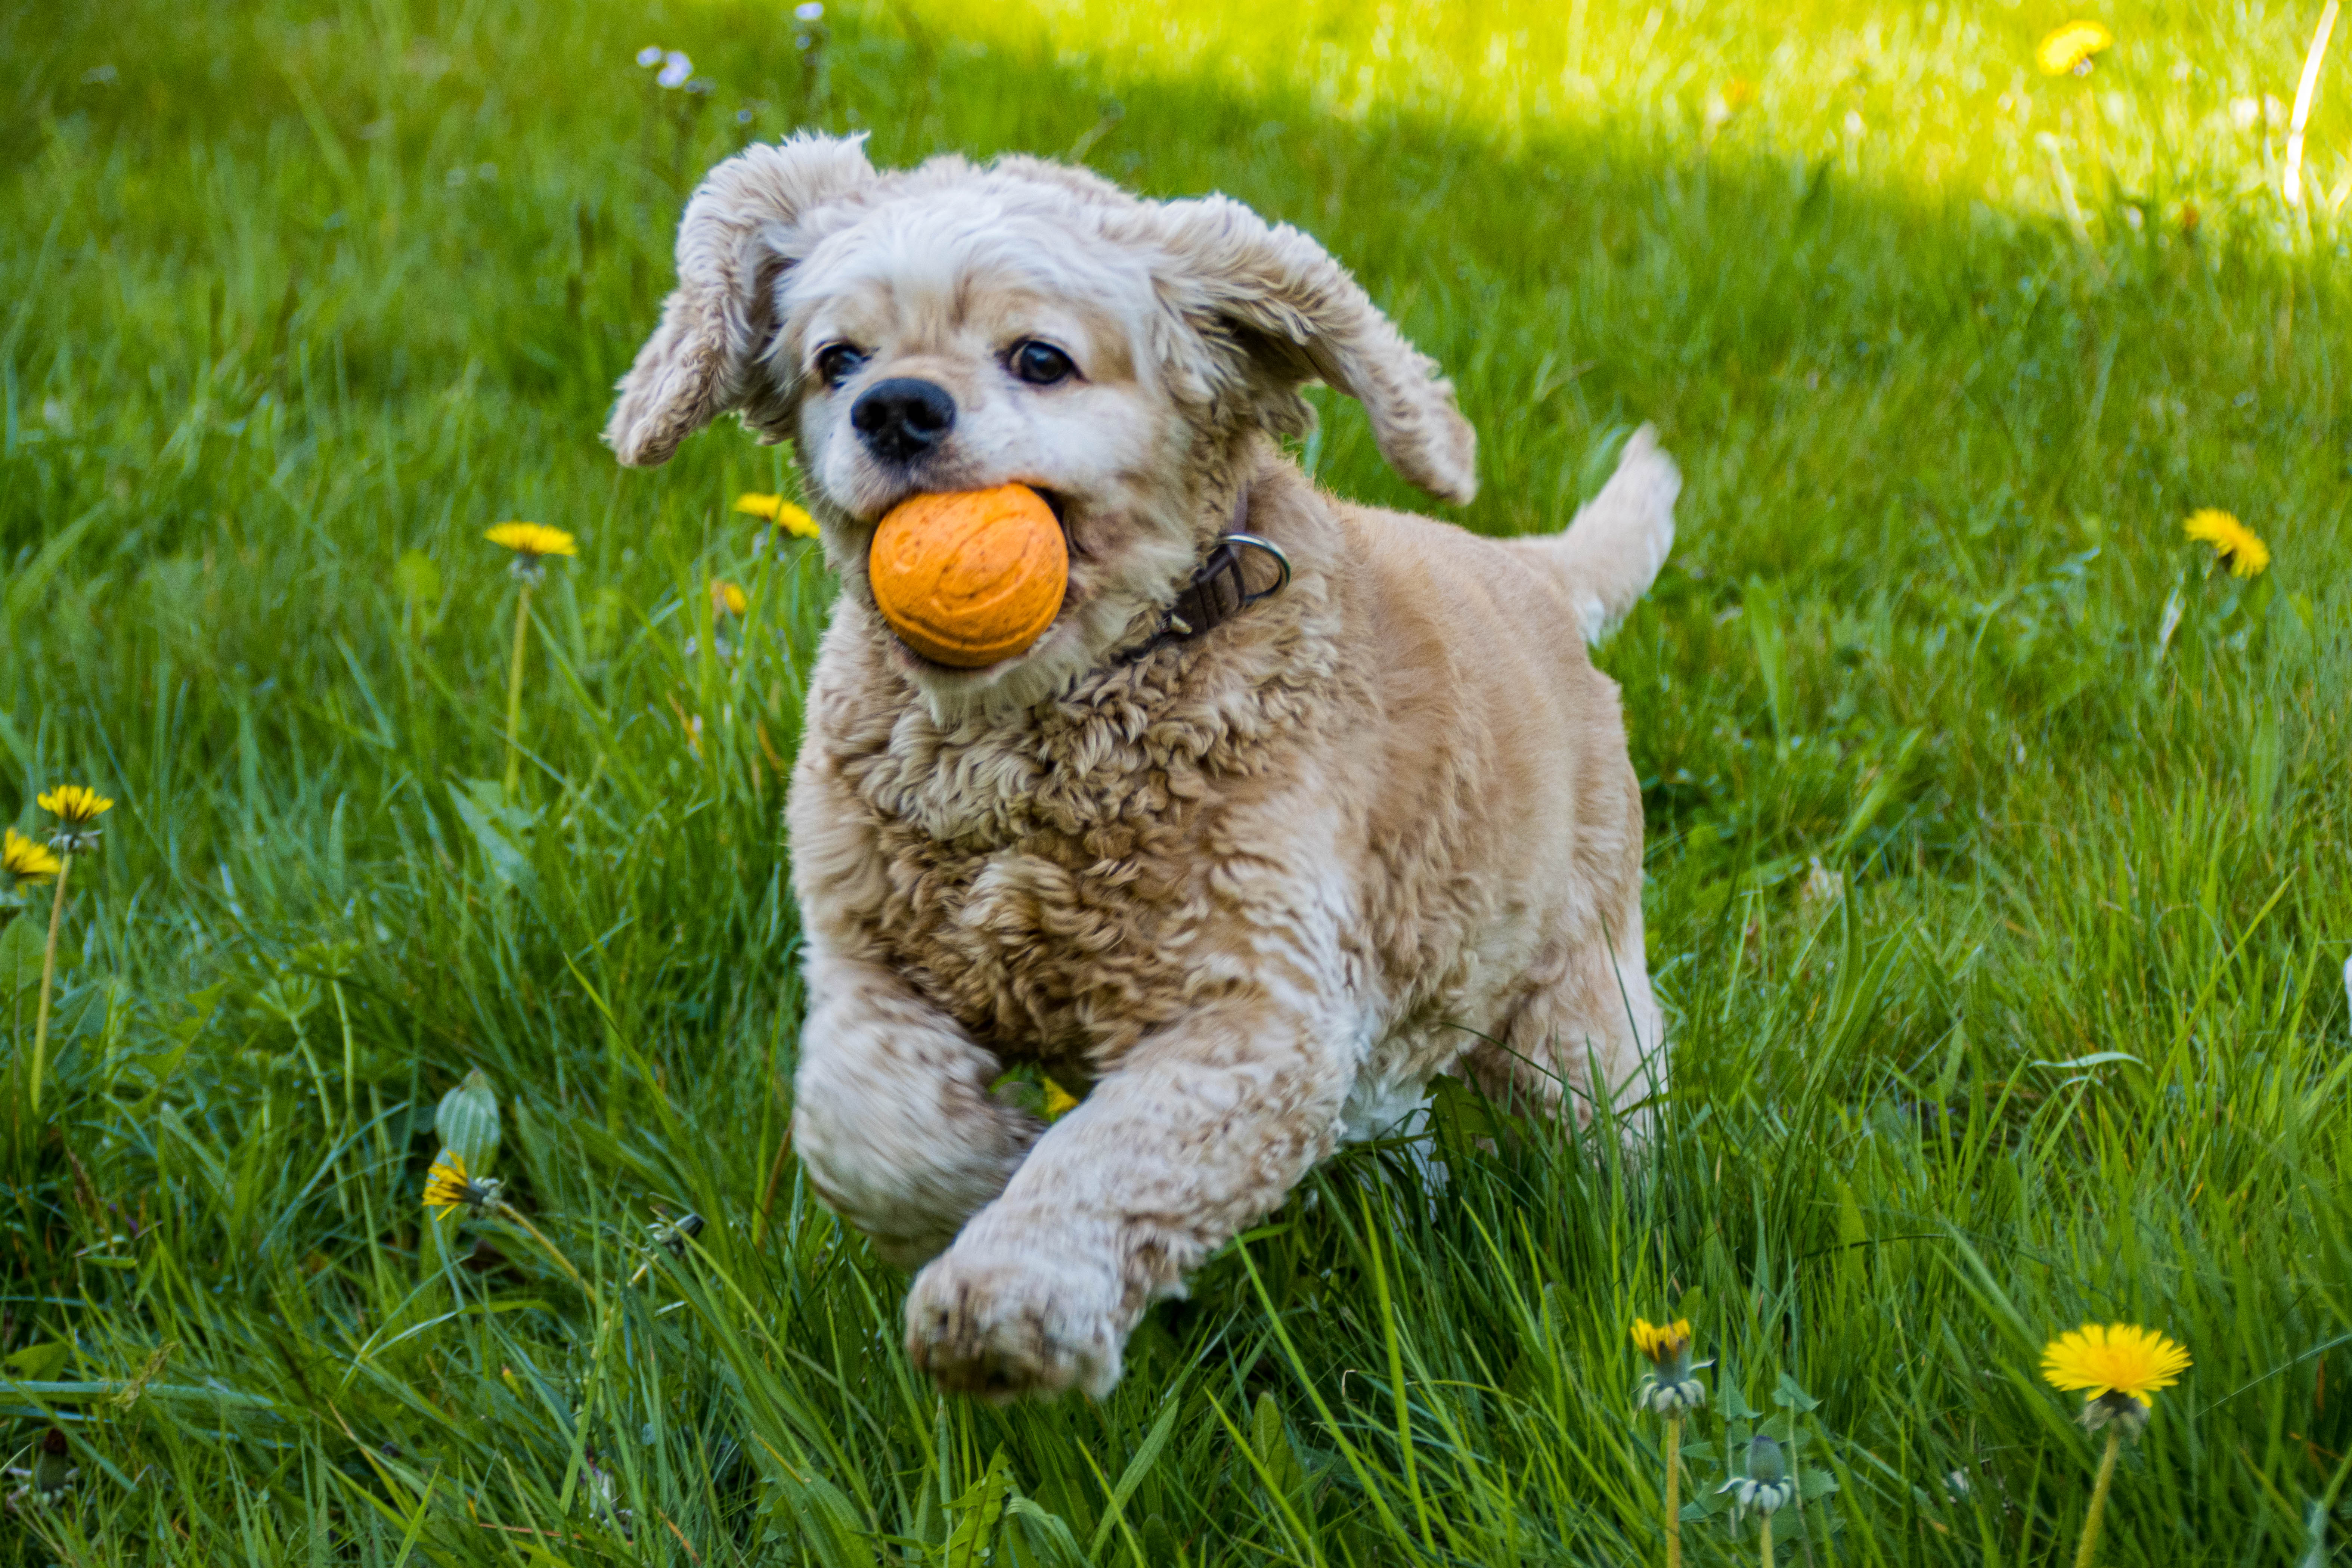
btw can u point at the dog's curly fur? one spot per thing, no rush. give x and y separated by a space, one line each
1252 890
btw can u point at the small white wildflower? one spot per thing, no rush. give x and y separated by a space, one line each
675 70
2244 111
1853 125
650 55
809 12
2348 980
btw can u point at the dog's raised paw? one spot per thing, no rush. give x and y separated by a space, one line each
1001 1330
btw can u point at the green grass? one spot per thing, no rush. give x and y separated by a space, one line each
299 299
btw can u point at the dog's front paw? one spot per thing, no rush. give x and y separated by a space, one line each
1001 1327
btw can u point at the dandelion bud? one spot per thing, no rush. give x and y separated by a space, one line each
672 1236
1766 1488
53 1468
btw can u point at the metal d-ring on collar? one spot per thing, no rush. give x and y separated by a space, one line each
1281 563
1217 592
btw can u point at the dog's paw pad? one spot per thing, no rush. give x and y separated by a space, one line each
1001 1331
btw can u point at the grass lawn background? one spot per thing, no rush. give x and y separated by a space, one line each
300 299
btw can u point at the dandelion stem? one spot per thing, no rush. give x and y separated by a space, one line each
48 978
1674 1490
514 691
2099 181
1764 1541
2084 1553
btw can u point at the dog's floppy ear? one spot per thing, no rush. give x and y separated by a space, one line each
737 236
1279 298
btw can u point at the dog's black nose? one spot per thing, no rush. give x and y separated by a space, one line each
902 419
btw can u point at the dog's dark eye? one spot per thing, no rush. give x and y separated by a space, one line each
1040 365
837 363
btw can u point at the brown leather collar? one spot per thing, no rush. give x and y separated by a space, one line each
1218 590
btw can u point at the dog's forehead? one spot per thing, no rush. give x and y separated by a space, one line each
971 253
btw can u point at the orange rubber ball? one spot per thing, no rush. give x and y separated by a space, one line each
969 577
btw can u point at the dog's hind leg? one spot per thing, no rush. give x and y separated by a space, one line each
892 1114
1590 1033
1607 558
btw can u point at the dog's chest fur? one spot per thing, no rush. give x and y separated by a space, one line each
1054 881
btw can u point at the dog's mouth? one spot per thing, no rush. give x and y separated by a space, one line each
1057 501
1059 505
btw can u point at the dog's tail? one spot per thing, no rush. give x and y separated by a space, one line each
1607 558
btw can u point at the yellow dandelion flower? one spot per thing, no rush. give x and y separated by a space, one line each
26 862
2068 49
1661 1341
447 1187
75 807
791 519
534 538
532 543
1059 1102
726 599
2232 540
1667 1387
2118 1367
1669 1391
2114 1359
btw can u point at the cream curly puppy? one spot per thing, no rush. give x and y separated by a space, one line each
1251 859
